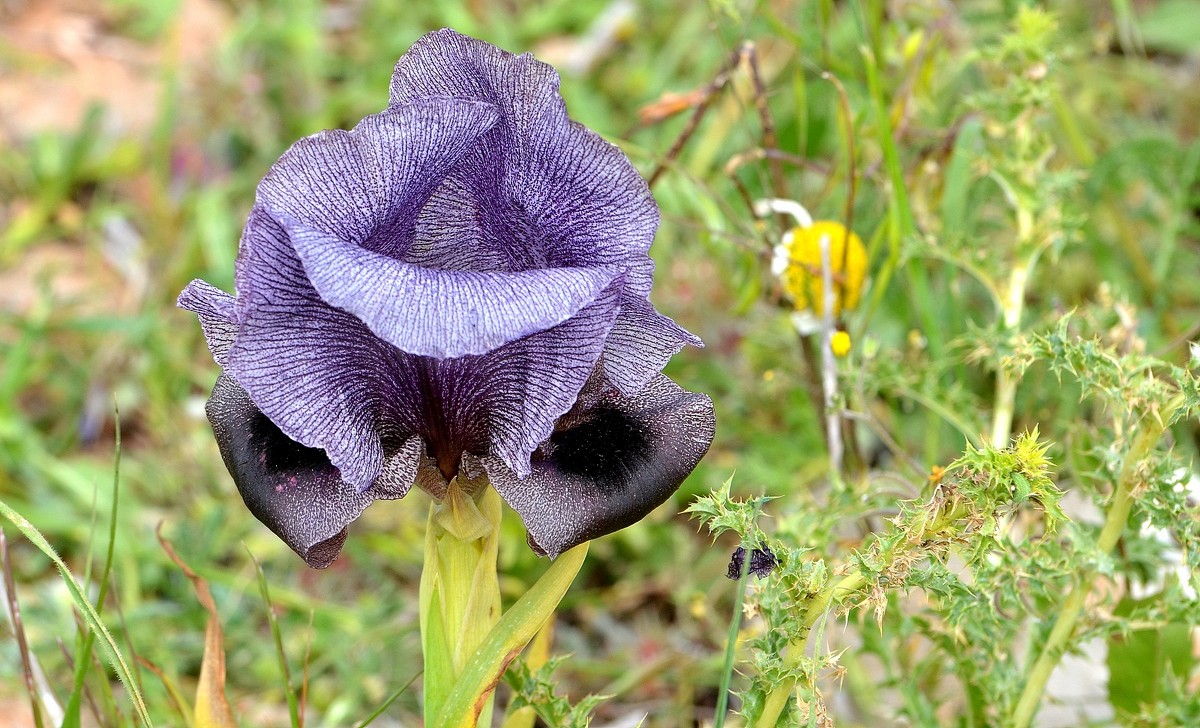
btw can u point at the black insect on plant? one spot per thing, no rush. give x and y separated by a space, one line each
762 562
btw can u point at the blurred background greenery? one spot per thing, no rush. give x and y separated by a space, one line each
133 133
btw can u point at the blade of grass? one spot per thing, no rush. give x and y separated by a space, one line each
735 627
115 657
172 689
75 702
307 657
289 689
211 709
18 628
389 700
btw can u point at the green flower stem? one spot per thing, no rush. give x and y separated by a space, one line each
1006 384
468 703
1114 525
778 698
460 591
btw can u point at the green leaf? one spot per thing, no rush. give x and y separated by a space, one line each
1141 661
506 640
115 657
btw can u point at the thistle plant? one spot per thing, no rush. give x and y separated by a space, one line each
966 582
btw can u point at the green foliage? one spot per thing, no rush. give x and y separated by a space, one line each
536 689
1019 406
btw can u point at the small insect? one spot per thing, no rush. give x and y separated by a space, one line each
762 562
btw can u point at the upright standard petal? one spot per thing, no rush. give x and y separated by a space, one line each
541 172
366 186
291 488
609 463
442 313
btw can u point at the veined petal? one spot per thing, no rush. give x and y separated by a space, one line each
640 344
578 194
291 488
216 311
366 186
313 370
507 402
608 464
442 313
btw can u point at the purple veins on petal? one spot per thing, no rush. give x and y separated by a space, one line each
580 196
442 313
215 308
312 369
366 186
640 344
460 281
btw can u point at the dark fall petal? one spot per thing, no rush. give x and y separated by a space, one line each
365 186
608 466
442 313
216 311
291 488
555 193
312 369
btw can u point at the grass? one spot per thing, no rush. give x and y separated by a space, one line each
104 216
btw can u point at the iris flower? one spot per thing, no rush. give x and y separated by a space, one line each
457 287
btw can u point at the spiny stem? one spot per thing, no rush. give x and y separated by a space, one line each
1072 610
819 606
1006 384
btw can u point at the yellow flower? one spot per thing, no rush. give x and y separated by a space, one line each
797 262
840 343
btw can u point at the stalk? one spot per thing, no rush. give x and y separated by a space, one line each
778 698
1014 306
1114 526
821 604
460 590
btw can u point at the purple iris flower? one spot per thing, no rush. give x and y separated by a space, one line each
456 287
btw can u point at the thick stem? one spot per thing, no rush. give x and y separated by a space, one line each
1006 385
1072 610
460 591
778 698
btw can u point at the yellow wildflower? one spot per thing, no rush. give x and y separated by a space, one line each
840 343
797 262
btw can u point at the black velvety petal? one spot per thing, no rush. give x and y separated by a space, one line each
294 489
608 464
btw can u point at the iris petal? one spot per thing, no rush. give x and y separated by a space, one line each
442 313
640 344
215 308
608 464
536 170
365 186
291 488
513 396
313 370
